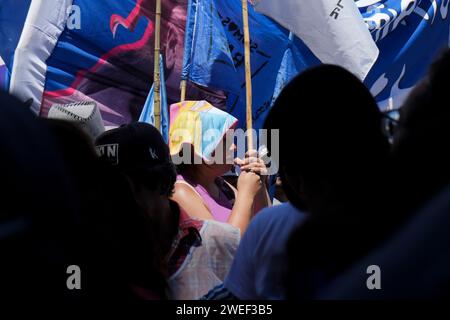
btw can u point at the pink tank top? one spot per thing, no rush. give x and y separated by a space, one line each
219 208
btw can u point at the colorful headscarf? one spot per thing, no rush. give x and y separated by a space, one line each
199 124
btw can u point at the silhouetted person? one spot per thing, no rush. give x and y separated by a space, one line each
35 192
333 158
112 239
415 263
193 255
421 139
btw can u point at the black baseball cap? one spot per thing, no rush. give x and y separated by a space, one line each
136 146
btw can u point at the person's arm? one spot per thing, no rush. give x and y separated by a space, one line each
252 163
248 186
191 202
262 200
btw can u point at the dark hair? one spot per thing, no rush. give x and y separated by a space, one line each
163 222
160 178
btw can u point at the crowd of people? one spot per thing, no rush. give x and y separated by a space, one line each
138 226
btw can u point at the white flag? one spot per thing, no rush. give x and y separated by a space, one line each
334 30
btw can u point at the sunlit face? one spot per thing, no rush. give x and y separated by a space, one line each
224 156
227 149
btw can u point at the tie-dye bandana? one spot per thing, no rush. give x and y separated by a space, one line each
199 124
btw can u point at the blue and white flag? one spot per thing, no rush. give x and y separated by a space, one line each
148 112
98 51
214 54
108 59
410 34
332 29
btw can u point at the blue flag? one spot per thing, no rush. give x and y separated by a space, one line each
410 35
400 28
207 58
97 51
291 65
148 112
214 55
4 75
12 17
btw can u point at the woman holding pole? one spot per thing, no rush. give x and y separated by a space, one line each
200 190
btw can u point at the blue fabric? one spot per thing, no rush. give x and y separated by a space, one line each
291 65
109 60
84 47
401 29
4 76
261 262
12 16
215 54
208 58
188 38
409 33
148 112
219 293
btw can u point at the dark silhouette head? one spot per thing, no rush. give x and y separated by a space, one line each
422 137
333 158
139 153
330 128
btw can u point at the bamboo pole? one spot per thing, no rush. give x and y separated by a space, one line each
157 75
248 76
183 86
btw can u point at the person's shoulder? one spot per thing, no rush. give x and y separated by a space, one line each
184 191
273 222
279 214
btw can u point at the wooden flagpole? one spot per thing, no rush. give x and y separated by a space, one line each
157 75
248 75
183 86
